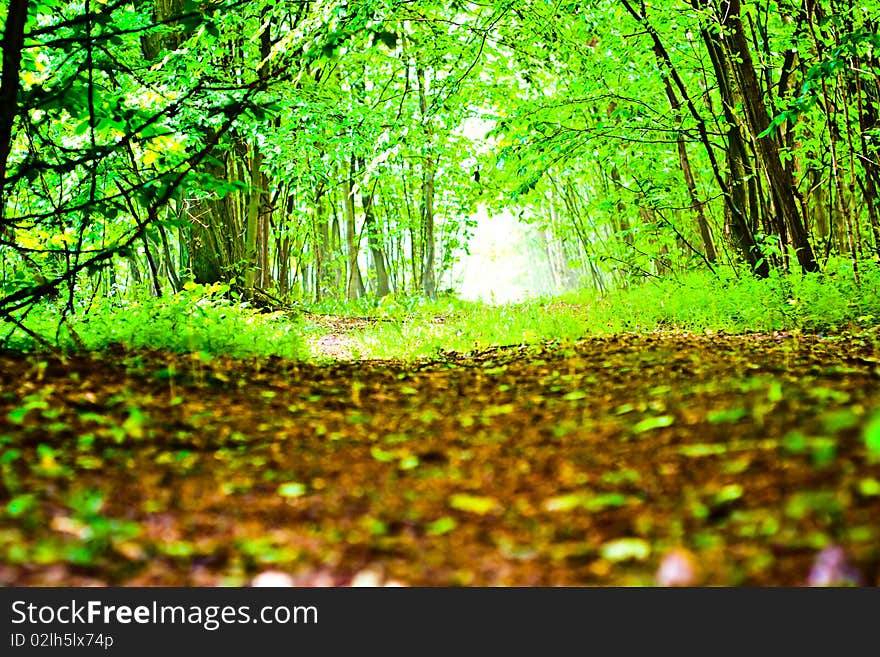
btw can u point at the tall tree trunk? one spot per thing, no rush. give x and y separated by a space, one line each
336 248
261 191
215 241
320 243
169 38
415 250
252 273
620 220
282 249
354 286
741 207
781 182
687 172
736 220
13 42
696 204
374 240
429 284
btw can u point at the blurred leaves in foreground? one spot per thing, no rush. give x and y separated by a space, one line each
660 459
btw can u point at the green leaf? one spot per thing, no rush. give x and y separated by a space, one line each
409 462
626 549
650 423
381 455
441 526
585 500
824 451
702 449
794 442
837 421
9 455
375 526
726 415
473 503
87 503
19 504
728 494
872 437
869 487
387 38
292 489
564 502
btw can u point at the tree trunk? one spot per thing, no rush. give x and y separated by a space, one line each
261 190
741 207
736 221
252 272
320 243
429 284
168 38
354 287
215 240
782 187
687 172
13 42
374 241
282 247
696 204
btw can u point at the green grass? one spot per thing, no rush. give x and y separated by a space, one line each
818 302
477 328
696 302
394 306
197 319
202 319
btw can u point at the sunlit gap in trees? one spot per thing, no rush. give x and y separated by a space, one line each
508 262
507 259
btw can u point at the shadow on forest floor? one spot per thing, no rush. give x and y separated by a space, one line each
727 460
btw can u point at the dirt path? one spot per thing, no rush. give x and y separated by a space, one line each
545 465
335 341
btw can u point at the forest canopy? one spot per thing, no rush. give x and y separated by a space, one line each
316 150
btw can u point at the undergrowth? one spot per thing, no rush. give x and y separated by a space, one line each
199 318
695 302
395 306
203 318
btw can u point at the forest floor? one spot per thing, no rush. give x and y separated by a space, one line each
722 460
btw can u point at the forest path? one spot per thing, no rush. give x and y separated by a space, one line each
588 463
335 338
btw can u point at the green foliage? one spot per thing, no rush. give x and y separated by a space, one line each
291 489
100 144
197 319
697 302
84 534
393 306
204 318
297 148
625 549
872 437
651 423
700 302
